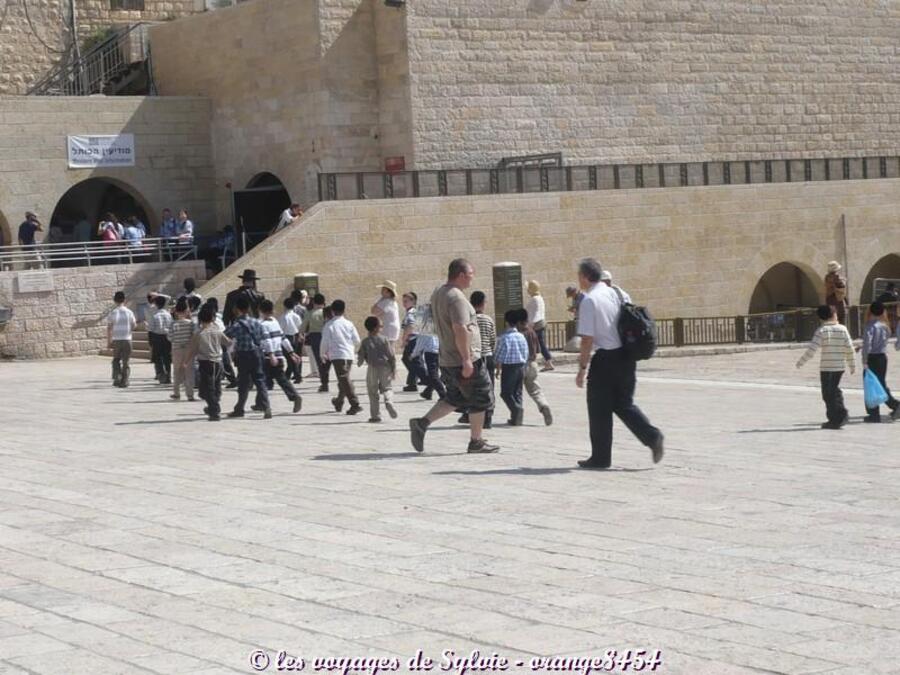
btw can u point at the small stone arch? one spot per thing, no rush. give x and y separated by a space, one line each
811 261
785 285
886 267
91 197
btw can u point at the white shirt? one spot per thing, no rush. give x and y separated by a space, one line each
598 317
339 340
290 323
286 219
122 321
186 230
535 308
390 317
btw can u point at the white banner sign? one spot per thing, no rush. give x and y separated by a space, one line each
86 152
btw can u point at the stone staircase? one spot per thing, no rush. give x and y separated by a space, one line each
140 346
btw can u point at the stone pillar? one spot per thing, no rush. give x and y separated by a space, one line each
507 290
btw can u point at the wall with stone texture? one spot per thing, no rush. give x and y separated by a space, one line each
687 251
71 319
172 146
27 54
297 88
655 80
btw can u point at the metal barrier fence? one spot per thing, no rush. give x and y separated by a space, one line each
483 181
41 256
796 325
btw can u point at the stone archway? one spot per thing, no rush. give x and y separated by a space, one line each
88 200
811 261
784 286
886 267
6 235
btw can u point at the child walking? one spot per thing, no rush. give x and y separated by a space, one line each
511 357
874 357
531 368
180 334
376 351
274 347
340 341
837 351
119 328
207 345
158 333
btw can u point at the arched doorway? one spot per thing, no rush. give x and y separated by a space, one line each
785 286
258 207
88 201
887 267
6 235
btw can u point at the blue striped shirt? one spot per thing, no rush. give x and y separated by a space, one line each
247 333
512 348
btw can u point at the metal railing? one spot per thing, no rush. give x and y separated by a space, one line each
42 256
97 67
485 181
792 325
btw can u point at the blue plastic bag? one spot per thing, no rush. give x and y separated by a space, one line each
873 391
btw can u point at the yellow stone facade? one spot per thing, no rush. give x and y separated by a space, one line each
682 251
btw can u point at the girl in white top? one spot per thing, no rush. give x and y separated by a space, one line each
387 310
537 320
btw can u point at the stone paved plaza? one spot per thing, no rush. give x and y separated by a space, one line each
135 537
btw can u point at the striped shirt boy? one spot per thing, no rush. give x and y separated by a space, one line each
836 346
488 333
274 342
180 333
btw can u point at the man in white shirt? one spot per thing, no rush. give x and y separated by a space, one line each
289 215
340 340
119 327
611 380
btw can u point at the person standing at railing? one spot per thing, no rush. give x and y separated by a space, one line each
133 232
836 291
185 228
169 227
27 230
538 321
289 216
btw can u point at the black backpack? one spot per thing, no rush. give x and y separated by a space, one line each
636 329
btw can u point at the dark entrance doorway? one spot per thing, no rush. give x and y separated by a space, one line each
258 207
784 286
87 202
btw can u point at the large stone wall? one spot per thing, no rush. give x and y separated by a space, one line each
296 88
172 146
33 42
71 319
688 251
653 80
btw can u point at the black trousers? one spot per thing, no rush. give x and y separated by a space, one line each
415 367
227 367
315 343
878 364
161 351
209 385
276 374
512 379
610 390
833 396
250 373
433 375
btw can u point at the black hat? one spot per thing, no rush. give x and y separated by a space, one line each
249 275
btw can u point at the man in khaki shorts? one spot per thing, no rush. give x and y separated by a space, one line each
463 370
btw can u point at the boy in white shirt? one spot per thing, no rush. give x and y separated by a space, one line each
290 323
119 327
837 350
340 340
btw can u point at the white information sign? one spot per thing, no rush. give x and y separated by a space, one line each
35 282
86 152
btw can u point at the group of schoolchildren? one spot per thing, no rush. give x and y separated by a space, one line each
191 344
837 354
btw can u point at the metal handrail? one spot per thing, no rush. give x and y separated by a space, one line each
90 252
92 71
453 182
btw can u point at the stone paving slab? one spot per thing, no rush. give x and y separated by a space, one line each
136 537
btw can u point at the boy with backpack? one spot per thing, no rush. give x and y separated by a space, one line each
837 352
